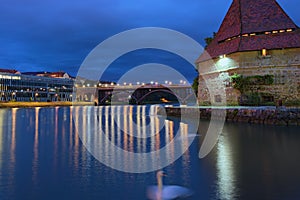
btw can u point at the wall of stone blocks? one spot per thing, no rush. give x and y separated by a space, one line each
283 64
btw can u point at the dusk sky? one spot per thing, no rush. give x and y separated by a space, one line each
52 35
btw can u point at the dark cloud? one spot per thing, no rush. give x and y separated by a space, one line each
58 35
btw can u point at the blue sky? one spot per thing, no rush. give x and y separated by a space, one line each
51 35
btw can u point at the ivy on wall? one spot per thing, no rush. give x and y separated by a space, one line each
243 84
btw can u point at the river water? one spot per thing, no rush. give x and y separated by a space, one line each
42 156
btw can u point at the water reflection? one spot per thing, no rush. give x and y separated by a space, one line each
112 130
1 136
225 169
42 156
13 131
186 156
35 161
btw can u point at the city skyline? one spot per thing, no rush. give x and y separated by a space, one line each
54 36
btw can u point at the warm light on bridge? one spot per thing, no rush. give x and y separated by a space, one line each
132 84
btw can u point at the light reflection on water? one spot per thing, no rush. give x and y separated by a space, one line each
225 170
124 128
42 157
35 161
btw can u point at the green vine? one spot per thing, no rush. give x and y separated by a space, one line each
243 84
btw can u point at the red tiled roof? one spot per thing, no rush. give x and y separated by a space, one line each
263 15
231 25
253 16
59 74
10 71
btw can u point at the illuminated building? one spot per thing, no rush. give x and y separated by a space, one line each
21 87
256 38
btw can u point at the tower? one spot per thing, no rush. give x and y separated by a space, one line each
256 39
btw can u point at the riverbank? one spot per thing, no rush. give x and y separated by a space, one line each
42 104
253 115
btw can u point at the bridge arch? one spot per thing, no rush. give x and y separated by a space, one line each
139 101
111 97
143 95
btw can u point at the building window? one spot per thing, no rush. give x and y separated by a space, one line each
264 52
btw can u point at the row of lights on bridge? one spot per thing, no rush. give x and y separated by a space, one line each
182 82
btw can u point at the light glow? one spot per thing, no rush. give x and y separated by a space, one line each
222 56
264 52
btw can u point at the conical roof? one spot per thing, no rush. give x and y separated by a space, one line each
253 25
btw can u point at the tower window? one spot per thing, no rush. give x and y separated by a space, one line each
264 52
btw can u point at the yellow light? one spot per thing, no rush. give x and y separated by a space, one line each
222 56
264 52
16 78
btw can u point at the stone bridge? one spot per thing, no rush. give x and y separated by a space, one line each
136 94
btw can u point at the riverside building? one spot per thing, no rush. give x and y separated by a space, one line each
15 86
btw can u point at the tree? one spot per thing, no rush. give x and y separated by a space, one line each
208 40
195 85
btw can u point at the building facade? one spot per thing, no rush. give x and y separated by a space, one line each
254 57
20 87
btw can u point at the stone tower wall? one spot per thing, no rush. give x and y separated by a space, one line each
283 64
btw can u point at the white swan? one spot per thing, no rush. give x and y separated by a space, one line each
161 192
